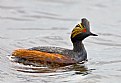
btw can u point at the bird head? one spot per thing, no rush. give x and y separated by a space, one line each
81 31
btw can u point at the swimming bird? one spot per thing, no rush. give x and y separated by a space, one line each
58 55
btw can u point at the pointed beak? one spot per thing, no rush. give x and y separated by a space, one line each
92 34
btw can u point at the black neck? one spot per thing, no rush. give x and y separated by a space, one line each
78 46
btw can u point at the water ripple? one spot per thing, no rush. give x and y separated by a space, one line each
106 62
3 37
16 18
100 5
106 44
102 39
46 13
53 28
8 7
60 1
78 68
50 17
107 39
109 34
54 37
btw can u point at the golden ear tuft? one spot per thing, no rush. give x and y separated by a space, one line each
77 30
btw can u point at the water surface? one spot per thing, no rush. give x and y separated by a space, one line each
30 23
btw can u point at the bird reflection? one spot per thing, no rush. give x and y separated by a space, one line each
77 68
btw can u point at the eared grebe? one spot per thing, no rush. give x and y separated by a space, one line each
57 55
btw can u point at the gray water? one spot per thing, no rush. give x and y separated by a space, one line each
30 23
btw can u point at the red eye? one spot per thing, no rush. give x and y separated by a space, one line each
84 30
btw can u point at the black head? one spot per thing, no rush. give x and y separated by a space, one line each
81 31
